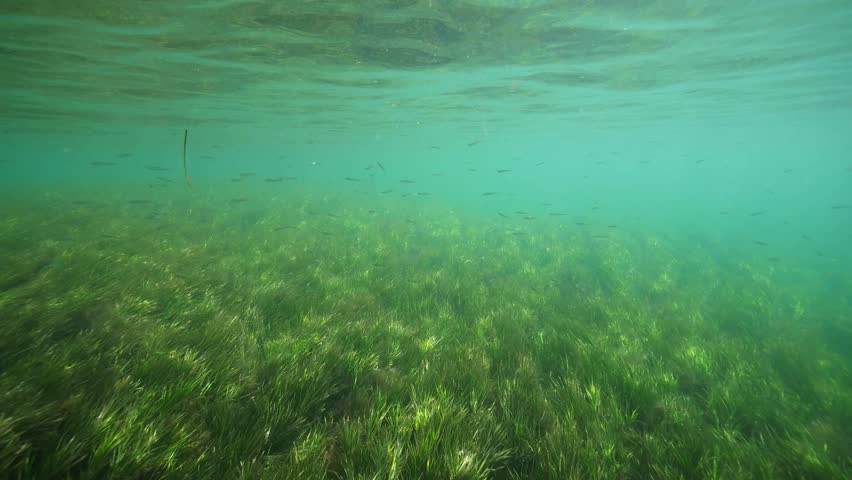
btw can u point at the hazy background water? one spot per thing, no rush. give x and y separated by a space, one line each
722 122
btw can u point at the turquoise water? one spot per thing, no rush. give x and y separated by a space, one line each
688 162
662 113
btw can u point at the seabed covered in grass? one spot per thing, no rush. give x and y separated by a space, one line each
299 337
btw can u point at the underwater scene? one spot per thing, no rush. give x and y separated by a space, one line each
425 239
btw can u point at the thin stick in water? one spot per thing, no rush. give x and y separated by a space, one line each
185 172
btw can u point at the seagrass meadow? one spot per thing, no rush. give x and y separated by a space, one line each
428 239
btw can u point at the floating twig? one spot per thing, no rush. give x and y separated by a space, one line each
185 172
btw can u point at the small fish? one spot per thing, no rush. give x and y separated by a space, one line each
274 179
580 224
805 236
723 212
165 180
247 174
504 170
236 180
381 166
557 214
124 155
284 227
502 214
789 170
488 194
434 147
600 162
596 207
761 243
774 259
352 179
517 233
385 192
407 181
333 215
438 174
644 162
423 194
139 202
529 218
102 164
155 168
371 211
757 213
472 170
406 195
699 162
839 207
207 157
521 212
239 200
539 164
546 204
475 142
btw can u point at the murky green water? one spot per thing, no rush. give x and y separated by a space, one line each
425 239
